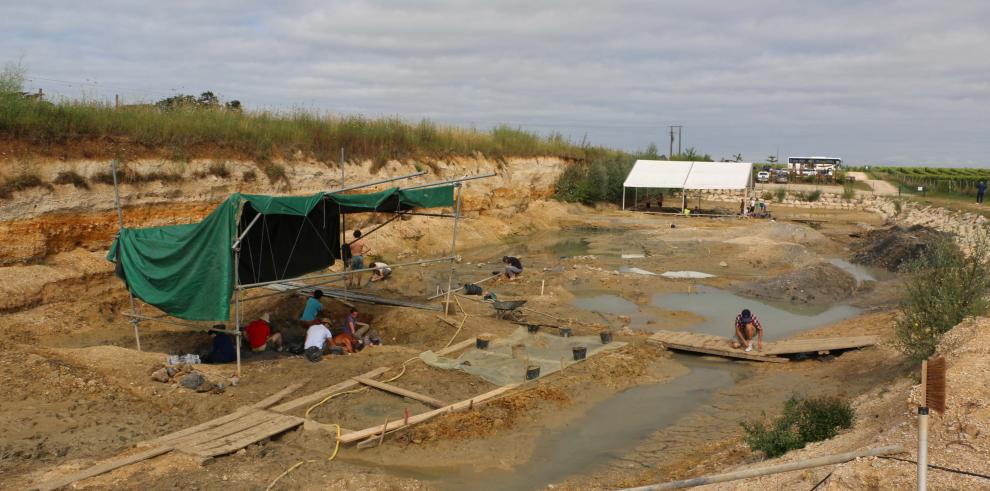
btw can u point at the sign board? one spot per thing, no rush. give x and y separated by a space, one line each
921 188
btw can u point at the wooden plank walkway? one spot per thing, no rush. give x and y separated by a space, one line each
722 346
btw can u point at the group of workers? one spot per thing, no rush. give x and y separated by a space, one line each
351 337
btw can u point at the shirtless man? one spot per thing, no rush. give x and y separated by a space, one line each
358 250
747 327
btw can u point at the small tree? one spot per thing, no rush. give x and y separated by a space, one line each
944 287
737 157
772 159
12 78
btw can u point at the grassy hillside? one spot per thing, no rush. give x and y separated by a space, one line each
79 129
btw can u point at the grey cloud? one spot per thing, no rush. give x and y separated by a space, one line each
884 81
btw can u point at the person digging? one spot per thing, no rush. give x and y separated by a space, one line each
747 327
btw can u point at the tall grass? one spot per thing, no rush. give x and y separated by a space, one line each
194 132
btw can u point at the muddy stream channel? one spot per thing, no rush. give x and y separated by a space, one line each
613 427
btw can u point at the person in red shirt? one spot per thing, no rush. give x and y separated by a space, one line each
259 335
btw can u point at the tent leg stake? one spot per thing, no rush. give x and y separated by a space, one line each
237 308
453 249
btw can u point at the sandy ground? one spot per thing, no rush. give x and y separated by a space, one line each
79 392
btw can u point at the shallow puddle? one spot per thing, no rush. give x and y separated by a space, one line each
605 432
720 308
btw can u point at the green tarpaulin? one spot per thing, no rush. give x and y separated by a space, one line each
188 272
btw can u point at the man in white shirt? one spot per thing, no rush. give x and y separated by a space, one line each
316 340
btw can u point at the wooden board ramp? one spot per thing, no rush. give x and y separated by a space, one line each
772 351
251 424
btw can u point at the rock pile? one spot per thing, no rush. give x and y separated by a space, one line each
184 375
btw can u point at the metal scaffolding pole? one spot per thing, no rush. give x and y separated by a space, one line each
237 306
453 248
120 220
449 181
375 183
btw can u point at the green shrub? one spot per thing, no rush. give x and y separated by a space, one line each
71 177
848 192
219 169
766 196
275 172
810 197
27 179
249 176
780 195
944 287
803 421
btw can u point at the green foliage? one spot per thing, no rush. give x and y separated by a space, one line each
597 179
71 177
26 179
939 179
780 195
803 421
810 196
772 159
275 172
195 126
12 79
249 176
848 192
692 155
219 169
944 287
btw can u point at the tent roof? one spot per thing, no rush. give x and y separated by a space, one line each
689 175
187 270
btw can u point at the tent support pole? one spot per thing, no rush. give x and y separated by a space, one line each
120 221
237 307
635 197
450 181
623 198
375 183
453 248
237 243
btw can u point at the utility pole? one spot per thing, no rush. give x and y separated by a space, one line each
670 153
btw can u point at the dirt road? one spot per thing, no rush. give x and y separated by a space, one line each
880 187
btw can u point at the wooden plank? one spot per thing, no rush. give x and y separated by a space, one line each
247 421
102 467
213 423
731 353
794 346
436 403
321 394
455 347
241 439
419 418
272 399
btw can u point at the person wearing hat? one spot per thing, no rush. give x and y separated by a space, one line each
316 340
747 327
260 337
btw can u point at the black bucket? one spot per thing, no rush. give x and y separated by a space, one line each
532 372
481 343
565 332
606 336
532 328
579 352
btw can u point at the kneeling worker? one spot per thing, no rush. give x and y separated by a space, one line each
260 337
381 272
513 267
317 336
747 327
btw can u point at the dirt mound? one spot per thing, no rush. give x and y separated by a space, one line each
892 247
820 283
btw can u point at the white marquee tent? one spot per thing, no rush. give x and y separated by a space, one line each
670 174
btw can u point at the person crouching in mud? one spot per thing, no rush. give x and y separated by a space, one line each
748 327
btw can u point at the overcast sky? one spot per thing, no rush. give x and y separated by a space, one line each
871 82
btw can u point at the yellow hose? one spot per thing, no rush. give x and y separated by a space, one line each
336 446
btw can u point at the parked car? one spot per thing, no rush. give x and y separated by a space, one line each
782 177
763 176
